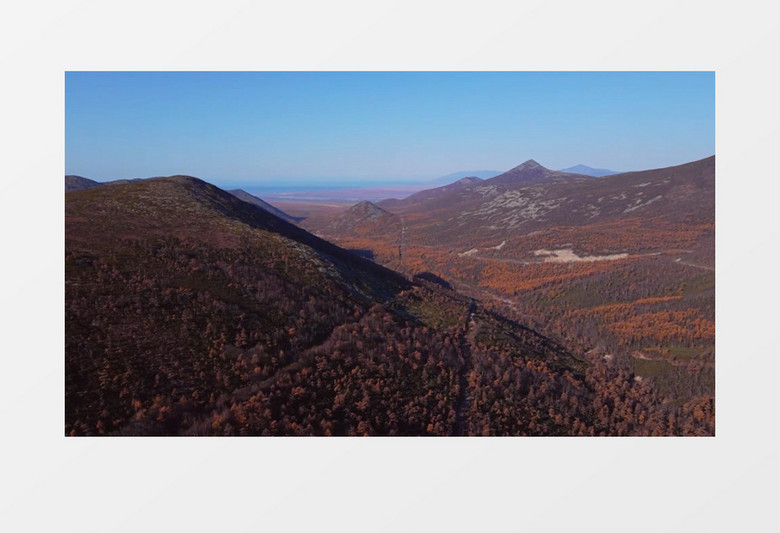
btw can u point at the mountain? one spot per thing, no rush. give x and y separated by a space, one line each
191 312
472 189
528 173
77 183
682 192
589 171
180 297
254 200
455 176
439 206
530 197
364 219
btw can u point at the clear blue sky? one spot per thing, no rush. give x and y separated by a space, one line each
300 128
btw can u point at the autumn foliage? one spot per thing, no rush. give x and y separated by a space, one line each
223 321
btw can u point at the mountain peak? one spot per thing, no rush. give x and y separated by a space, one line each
525 174
529 165
363 219
365 210
366 207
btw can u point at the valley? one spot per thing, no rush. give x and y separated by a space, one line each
598 264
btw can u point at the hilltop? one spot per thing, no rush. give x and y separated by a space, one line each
78 183
361 220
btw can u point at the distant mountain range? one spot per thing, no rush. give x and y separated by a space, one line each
589 171
487 174
530 196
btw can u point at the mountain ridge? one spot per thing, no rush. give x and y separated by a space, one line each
530 197
462 193
80 183
455 176
590 171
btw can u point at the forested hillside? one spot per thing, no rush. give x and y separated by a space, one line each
191 312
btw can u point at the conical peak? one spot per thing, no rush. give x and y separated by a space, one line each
530 164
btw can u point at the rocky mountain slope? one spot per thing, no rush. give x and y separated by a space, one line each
531 198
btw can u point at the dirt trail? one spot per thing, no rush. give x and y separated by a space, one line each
463 401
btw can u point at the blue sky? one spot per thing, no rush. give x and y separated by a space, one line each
329 128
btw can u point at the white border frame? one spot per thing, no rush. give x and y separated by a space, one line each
724 483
